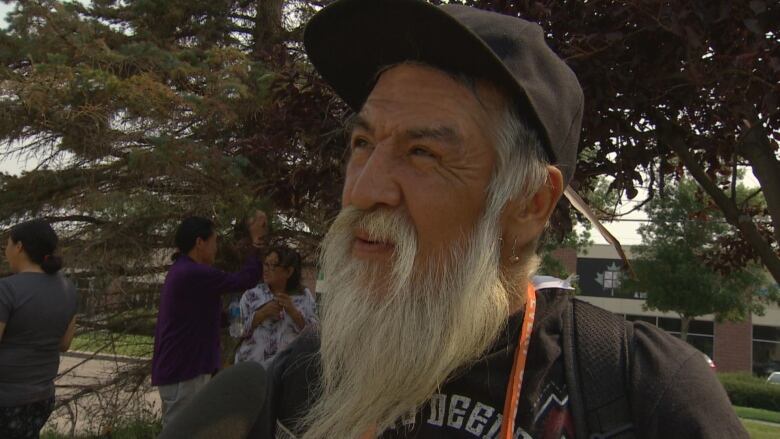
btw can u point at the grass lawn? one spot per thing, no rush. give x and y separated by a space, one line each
760 431
755 429
113 343
757 414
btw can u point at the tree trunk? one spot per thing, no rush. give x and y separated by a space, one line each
685 323
268 25
755 147
670 135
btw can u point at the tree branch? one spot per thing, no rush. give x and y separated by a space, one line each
750 197
670 134
75 218
755 147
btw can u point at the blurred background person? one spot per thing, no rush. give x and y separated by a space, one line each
277 310
187 334
37 321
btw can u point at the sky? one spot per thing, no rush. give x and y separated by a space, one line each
5 9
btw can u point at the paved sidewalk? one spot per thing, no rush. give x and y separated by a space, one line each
89 377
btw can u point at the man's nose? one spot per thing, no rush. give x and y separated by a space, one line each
375 184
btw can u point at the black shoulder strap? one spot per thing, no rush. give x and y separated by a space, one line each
597 347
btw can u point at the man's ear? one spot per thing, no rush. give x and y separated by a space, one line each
525 220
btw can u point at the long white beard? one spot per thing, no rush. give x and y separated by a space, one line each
391 336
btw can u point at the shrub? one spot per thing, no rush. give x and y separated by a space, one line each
136 429
748 391
134 321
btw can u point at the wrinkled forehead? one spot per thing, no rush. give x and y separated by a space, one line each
418 93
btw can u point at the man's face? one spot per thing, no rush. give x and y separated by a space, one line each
412 260
210 249
9 252
420 143
13 253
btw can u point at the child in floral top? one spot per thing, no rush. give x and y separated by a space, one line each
277 310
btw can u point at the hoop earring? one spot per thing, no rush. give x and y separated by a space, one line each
514 258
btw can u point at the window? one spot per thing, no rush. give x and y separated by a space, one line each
667 324
636 318
701 342
766 349
700 332
701 327
767 333
611 279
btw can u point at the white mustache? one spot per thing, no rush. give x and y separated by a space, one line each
380 225
392 226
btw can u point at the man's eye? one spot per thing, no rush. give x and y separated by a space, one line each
422 152
359 142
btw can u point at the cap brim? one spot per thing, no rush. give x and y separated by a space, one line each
350 40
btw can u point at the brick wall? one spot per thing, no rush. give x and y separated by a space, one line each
733 346
567 257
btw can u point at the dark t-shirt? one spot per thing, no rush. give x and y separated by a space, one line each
36 309
673 391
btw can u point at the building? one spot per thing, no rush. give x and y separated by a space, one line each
753 345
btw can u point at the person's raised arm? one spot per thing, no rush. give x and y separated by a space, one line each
214 279
247 277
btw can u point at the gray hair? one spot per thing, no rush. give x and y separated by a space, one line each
521 161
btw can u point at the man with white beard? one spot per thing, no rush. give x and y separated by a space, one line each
465 135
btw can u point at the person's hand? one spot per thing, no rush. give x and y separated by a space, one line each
286 302
267 311
258 227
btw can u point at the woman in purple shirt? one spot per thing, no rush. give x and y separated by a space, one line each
186 342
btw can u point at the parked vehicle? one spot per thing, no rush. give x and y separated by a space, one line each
710 362
766 368
774 378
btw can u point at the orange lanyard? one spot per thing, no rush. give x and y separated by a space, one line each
518 367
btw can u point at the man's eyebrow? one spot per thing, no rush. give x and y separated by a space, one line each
357 121
442 133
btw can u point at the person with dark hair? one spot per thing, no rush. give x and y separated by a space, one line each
277 310
37 321
186 342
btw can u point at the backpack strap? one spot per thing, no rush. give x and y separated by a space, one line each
597 349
